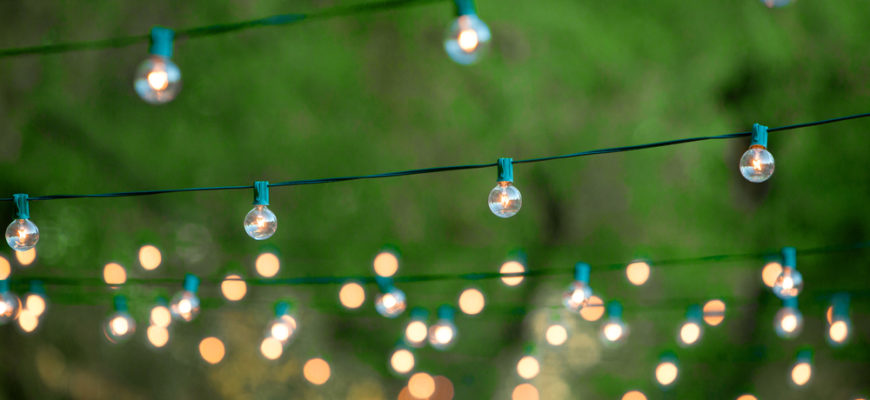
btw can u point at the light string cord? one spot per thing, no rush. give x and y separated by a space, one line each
210 30
451 167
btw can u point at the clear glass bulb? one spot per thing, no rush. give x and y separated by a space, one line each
756 165
788 322
261 223
184 305
119 327
467 39
788 284
158 80
22 234
282 328
390 304
505 200
442 335
577 296
9 307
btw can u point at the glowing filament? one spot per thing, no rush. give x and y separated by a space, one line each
468 40
612 331
158 80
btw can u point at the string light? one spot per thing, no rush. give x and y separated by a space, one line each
316 371
158 79
283 327
212 350
840 326
442 334
614 330
234 287
756 165
390 302
747 397
26 257
35 300
528 366
788 321
802 369
690 330
578 293
505 199
261 223
386 262
185 304
512 267
352 295
471 301
637 272
667 370
714 312
150 257
120 325
9 303
789 283
402 360
22 234
416 331
27 321
467 37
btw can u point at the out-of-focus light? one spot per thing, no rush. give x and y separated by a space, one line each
528 367
790 282
666 373
829 314
421 385
271 348
840 326
160 316
158 336
637 272
185 304
28 321
578 293
402 361
26 257
35 303
594 309
512 267
691 329
614 330
283 327
114 274
747 397
442 334
788 321
770 272
386 264
120 325
714 312
634 395
416 333
391 301
352 295
443 389
234 287
801 373
471 301
5 268
212 350
838 331
525 391
10 305
150 257
556 334
267 265
22 234
316 371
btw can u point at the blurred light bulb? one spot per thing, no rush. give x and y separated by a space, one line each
467 39
714 312
525 391
747 397
158 336
402 361
838 331
666 373
28 321
594 309
391 303
149 257
386 263
637 273
35 303
212 350
421 385
119 327
505 200
271 348
352 295
613 331
158 80
577 296
9 306
801 373
22 234
416 333
267 264
261 223
185 304
788 284
26 257
316 371
770 272
511 267
528 367
756 165
471 301
690 332
5 268
634 395
556 334
788 322
114 274
442 334
283 328
234 287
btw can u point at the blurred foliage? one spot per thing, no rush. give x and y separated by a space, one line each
376 93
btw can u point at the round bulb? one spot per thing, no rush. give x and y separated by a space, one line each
9 307
22 234
442 334
27 321
528 367
416 333
690 332
512 267
756 165
838 331
402 361
637 272
577 296
505 200
788 284
261 223
119 327
801 373
35 303
352 295
271 348
788 322
158 80
556 335
613 331
282 328
666 373
390 304
467 39
158 336
184 306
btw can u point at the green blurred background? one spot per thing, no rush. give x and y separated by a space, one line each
376 93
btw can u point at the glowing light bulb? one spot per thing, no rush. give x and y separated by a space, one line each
594 309
22 234
35 303
261 223
578 294
528 367
391 301
770 272
505 200
352 295
416 330
634 395
386 263
471 301
442 334
691 330
667 372
185 304
421 385
838 331
613 331
637 272
150 257
714 312
402 361
756 165
801 373
158 79
25 258
840 326
158 336
283 327
212 350
120 325
316 371
27 321
271 348
525 391
556 334
5 268
788 321
9 303
234 287
467 39
788 284
511 267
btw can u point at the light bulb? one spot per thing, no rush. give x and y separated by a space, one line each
9 306
467 39
801 373
22 234
282 328
158 80
442 334
261 223
35 303
402 361
577 296
788 284
838 331
416 333
666 373
185 304
505 200
556 334
613 331
690 333
119 327
788 322
756 165
158 336
390 303
528 367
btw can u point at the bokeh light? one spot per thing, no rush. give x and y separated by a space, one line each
512 267
267 265
612 331
416 332
316 371
594 309
149 257
28 321
443 389
528 367
26 257
747 397
838 331
34 303
402 361
212 350
770 272
158 336
525 391
271 348
421 385
352 295
114 274
233 287
386 264
471 301
634 395
5 268
714 312
829 314
801 373
160 316
666 373
556 334
637 272
690 332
